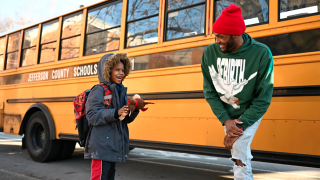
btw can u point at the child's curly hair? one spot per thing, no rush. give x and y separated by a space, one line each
112 61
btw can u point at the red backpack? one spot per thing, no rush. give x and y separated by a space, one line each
79 104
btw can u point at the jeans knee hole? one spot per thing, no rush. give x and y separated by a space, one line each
239 162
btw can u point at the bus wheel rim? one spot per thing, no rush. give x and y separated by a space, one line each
38 137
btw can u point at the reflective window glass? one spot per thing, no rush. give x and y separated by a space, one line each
49 31
103 41
180 57
30 37
297 42
1 62
48 52
2 45
176 4
103 28
28 56
70 48
104 17
296 8
13 42
71 25
12 60
142 32
142 8
186 22
254 12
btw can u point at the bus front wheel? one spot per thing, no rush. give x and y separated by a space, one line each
40 147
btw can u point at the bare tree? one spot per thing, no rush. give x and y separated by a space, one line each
8 23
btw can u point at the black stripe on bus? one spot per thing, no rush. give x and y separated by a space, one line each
40 100
277 92
264 156
71 137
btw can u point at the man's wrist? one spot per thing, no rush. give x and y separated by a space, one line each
224 118
228 121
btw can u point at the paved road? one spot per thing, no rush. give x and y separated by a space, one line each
142 164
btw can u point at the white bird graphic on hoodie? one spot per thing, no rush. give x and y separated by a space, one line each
230 89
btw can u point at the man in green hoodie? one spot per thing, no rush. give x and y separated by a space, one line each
237 84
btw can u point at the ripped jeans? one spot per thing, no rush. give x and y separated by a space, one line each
241 151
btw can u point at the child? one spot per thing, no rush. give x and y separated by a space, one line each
108 141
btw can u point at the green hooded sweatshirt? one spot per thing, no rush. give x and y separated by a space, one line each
239 84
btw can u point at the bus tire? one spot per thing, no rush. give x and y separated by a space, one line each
40 147
67 149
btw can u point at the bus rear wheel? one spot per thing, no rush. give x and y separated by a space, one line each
40 147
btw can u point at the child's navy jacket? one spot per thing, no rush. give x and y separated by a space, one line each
109 137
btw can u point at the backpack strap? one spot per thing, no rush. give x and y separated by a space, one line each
107 95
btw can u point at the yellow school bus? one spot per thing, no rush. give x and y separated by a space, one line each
44 66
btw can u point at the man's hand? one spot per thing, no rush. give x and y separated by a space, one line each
233 133
228 141
231 129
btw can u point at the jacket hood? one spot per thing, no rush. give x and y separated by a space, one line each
108 61
101 67
247 43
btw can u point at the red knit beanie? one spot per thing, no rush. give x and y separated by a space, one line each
230 21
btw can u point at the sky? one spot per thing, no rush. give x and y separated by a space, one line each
38 10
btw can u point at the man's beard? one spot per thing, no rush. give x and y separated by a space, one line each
231 42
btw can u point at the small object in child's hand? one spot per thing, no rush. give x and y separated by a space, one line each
135 103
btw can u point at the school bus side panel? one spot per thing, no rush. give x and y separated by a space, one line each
191 121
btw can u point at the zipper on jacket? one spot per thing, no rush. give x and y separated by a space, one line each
115 94
118 122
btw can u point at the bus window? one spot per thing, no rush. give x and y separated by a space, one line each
180 57
29 46
49 31
254 12
103 28
2 51
291 43
184 18
142 22
48 41
13 51
70 39
290 9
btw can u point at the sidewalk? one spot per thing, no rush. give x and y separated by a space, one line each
7 175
